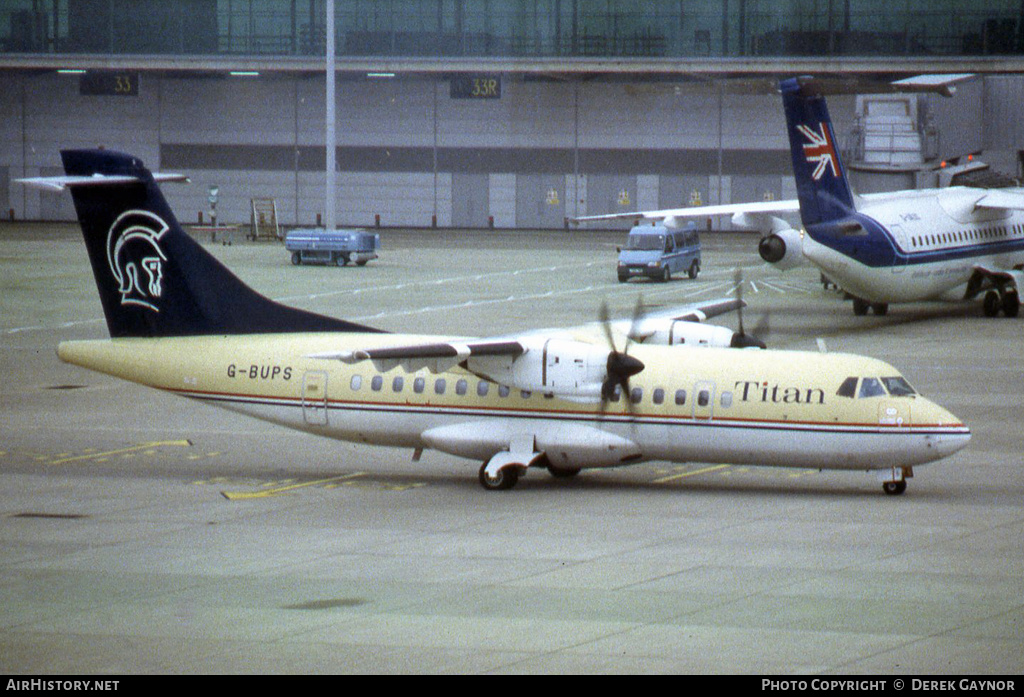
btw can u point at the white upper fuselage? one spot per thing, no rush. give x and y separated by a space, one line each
940 239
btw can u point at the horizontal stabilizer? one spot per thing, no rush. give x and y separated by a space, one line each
61 183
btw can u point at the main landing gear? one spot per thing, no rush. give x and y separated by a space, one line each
508 476
1004 299
504 469
861 307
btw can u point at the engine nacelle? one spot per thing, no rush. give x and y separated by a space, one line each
782 249
673 332
563 367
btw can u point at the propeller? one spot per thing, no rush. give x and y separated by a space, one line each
621 366
741 339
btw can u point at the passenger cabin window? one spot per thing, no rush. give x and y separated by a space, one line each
357 382
659 396
376 383
418 384
439 386
482 388
397 384
703 398
727 399
461 387
636 395
503 390
680 397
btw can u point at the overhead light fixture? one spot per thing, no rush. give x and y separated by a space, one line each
70 71
380 74
245 73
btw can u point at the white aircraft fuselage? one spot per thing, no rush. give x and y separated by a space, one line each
934 243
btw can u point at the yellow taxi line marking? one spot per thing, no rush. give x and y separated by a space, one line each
266 493
704 470
134 448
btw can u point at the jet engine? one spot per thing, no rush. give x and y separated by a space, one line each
783 249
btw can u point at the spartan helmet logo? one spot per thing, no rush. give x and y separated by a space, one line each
135 257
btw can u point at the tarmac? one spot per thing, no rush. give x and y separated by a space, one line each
141 533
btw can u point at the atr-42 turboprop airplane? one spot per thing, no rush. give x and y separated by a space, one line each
885 248
558 399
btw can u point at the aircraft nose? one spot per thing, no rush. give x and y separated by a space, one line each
950 434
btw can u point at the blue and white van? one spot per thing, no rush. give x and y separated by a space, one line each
655 252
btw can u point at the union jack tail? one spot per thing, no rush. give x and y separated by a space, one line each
821 182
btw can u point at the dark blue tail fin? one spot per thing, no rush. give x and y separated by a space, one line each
153 279
821 182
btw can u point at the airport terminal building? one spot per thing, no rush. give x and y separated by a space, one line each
503 113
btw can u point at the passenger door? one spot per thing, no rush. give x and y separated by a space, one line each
314 398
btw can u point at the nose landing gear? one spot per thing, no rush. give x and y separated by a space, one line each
894 481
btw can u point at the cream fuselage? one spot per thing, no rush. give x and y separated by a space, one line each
697 404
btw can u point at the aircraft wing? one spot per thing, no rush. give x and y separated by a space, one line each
1012 199
698 312
435 356
649 322
672 216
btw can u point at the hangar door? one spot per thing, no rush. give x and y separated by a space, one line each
54 206
611 193
756 188
470 200
679 191
540 201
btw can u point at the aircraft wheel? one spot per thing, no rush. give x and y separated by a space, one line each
991 304
341 260
694 270
1011 303
860 307
296 258
505 479
880 309
894 488
563 473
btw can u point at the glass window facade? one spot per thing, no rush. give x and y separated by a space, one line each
517 28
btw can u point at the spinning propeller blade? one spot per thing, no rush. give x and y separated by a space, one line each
621 366
741 339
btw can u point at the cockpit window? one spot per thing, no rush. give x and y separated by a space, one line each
871 387
848 388
898 387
